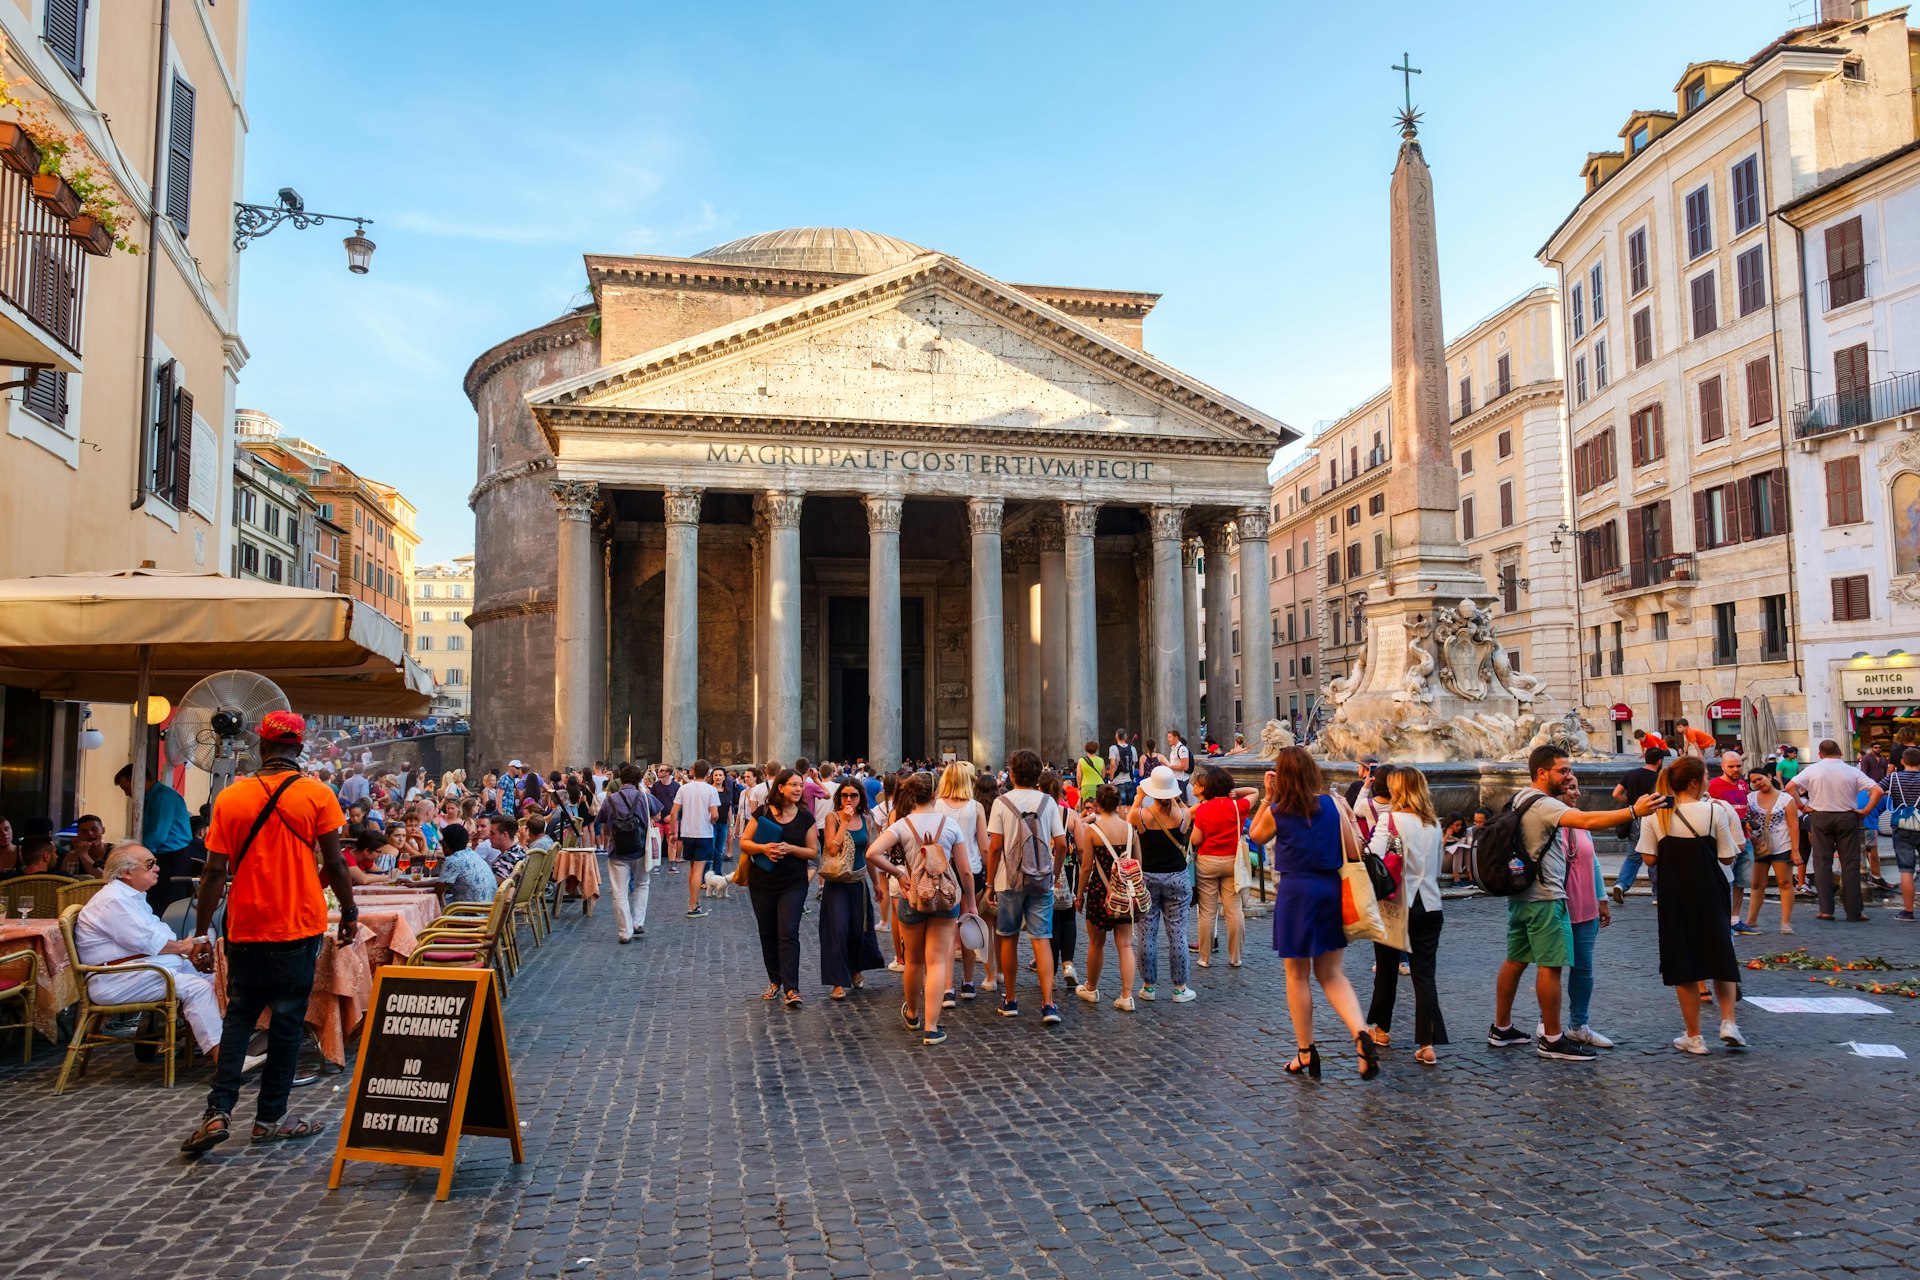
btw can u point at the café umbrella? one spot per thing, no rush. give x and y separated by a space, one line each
124 637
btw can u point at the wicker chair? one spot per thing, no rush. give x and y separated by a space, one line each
86 1036
43 891
80 893
529 903
463 940
472 915
22 987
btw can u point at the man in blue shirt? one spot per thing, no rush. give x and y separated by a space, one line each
166 829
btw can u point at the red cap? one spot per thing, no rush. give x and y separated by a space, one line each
282 726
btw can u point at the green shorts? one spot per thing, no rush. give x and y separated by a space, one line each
1540 933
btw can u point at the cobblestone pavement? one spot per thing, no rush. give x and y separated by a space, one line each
676 1125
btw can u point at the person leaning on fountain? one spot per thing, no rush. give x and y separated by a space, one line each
1539 930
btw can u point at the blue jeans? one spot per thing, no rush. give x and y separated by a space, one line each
264 975
1168 894
1630 865
1580 982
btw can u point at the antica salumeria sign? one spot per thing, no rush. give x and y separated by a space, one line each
930 462
1898 684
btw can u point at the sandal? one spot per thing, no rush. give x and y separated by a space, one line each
206 1137
792 1001
1306 1061
288 1132
773 989
1369 1056
1381 1038
838 993
1426 1057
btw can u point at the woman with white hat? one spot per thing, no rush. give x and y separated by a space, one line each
1162 822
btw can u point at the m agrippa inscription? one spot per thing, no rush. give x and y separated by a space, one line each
931 461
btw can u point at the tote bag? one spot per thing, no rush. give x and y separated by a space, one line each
1362 914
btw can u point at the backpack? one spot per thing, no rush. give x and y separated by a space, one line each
1127 760
932 887
1502 865
1028 856
1125 883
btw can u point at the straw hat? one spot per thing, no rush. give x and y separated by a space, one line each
1162 784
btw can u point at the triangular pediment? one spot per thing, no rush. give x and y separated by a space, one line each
931 344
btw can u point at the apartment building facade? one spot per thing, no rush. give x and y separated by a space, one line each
1293 548
1684 339
440 599
275 524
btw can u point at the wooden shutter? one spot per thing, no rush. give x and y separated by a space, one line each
183 449
1581 470
1637 436
1713 423
1662 540
1781 515
1850 599
1586 556
1846 264
65 33
1759 391
1657 445
1506 503
46 396
1843 490
1702 522
1636 537
179 192
1466 517
1740 509
160 464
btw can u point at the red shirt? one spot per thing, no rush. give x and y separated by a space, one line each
1732 791
1216 826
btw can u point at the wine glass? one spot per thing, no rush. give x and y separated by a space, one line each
25 908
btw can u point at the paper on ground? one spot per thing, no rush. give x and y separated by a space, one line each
1815 1004
1874 1050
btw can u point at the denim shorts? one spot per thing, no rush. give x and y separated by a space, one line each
1029 908
1742 870
1906 849
903 913
696 848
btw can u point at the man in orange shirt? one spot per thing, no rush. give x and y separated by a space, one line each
1695 742
277 832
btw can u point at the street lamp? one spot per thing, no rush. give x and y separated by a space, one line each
1557 541
251 221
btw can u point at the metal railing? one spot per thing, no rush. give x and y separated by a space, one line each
1875 402
1642 574
43 269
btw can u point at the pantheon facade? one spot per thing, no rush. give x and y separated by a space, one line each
824 492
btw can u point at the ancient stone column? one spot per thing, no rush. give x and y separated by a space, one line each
1256 630
883 632
573 623
760 631
782 687
597 700
1190 639
1082 640
1168 628
680 644
1220 620
989 715
1051 537
1026 654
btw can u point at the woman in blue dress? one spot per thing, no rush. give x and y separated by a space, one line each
847 944
1308 833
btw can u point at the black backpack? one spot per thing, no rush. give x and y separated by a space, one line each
1502 864
1127 759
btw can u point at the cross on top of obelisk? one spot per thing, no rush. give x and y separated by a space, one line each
1408 117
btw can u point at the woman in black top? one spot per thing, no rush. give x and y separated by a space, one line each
781 842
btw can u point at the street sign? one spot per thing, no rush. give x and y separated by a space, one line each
432 1066
1621 711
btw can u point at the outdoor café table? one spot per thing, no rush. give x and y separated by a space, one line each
579 871
418 907
342 977
57 986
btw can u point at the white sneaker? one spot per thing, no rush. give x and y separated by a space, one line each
1123 1003
1690 1044
252 1062
1730 1034
1146 992
1090 994
1067 974
896 967
1185 995
1588 1036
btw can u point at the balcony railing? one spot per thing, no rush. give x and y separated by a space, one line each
1875 402
1643 575
42 267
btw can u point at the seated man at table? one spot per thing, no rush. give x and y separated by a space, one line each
37 854
533 834
117 926
501 851
364 863
87 851
464 871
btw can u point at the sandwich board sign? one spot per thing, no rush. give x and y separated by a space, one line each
432 1067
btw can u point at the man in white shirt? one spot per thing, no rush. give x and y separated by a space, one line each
1021 818
695 806
118 927
354 788
1831 789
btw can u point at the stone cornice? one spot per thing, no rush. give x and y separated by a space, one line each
951 434
507 475
552 336
1519 397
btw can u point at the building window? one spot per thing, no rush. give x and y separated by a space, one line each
1466 517
1290 626
1377 504
456 615
1746 195
1617 663
1706 304
64 28
179 190
456 676
1750 271
1380 551
1710 526
1306 664
1846 264
1594 462
1306 626
1577 310
1503 375
276 569
1506 504
457 643
1647 432
1643 337
1637 262
1353 515
1595 662
1509 588
1293 669
1353 560
1503 444
426 590
1699 223
1725 646
1466 462
1713 423
1579 379
1764 514
1333 567
1853 69
1289 559
1852 389
422 644
1773 631
424 615
1759 391
273 521
1850 599
1640 138
1600 364
1466 396
1844 501
1598 290
1661 627
249 558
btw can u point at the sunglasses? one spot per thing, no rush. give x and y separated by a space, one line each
149 865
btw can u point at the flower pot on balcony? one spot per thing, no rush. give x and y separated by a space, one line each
17 150
51 190
92 234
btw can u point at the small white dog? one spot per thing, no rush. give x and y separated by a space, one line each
716 885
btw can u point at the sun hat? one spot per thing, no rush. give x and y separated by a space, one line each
973 932
1161 784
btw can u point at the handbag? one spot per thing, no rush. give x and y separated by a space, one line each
1242 863
1125 884
1396 855
1359 908
836 864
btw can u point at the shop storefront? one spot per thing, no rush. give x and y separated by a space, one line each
1881 696
1723 722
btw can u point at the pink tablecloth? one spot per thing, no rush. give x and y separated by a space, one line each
57 986
418 908
583 869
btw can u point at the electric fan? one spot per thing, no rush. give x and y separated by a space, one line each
213 726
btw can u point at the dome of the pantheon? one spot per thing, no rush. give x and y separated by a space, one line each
840 249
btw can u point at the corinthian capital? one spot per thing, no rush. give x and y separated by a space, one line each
782 510
1218 536
575 499
883 513
1168 523
1080 518
1253 525
683 506
983 514
1189 552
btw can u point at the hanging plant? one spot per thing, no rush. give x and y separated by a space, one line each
67 177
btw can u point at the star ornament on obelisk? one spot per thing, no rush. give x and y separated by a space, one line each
1409 118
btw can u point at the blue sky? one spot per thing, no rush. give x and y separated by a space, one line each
1233 157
